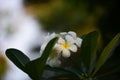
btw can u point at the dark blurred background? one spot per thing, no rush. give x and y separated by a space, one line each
82 16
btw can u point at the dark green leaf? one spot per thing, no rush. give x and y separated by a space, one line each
17 57
106 53
35 68
111 66
64 70
115 70
88 50
109 74
64 77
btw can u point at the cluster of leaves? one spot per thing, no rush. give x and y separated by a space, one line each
33 68
85 66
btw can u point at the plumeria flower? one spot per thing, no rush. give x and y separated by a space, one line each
46 40
62 34
66 45
55 62
77 40
53 59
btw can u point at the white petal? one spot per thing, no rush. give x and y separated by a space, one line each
69 39
78 42
53 35
54 62
63 33
73 34
61 41
73 48
58 48
66 53
49 37
42 48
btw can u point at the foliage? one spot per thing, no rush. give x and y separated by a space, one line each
33 68
86 65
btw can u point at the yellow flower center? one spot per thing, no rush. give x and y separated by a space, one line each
52 56
66 45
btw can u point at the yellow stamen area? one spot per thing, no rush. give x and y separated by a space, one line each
52 56
66 45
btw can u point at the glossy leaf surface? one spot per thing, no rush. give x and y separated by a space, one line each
88 49
35 68
106 53
18 58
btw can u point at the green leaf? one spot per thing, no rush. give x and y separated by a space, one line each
35 68
63 77
112 65
106 53
18 58
64 70
88 50
110 72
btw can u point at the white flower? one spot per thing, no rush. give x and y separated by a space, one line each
53 60
66 45
62 34
77 40
46 40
